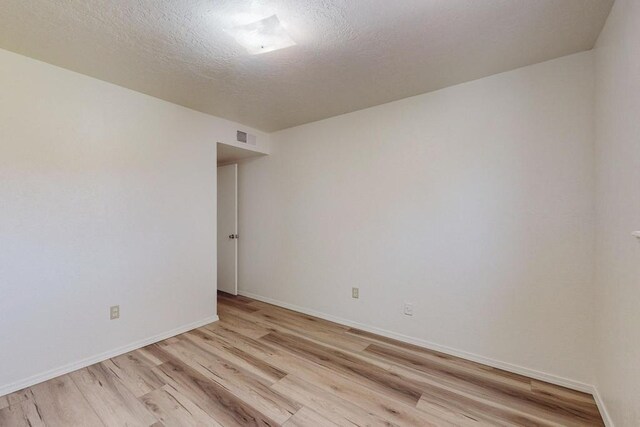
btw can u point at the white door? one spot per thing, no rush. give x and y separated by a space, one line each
228 229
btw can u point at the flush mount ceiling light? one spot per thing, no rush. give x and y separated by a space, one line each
265 35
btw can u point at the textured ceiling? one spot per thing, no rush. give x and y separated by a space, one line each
350 54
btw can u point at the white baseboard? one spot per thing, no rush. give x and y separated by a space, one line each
608 421
74 366
531 373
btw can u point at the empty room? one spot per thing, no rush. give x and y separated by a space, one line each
319 213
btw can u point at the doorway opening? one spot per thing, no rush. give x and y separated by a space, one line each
229 163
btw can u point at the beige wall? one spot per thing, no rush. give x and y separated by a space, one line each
107 197
474 203
617 56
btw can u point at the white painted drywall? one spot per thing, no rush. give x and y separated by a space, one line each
474 203
107 196
617 62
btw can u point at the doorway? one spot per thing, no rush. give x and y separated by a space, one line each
228 228
229 162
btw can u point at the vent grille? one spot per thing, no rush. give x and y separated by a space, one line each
241 136
246 138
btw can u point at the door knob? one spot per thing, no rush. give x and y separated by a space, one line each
233 236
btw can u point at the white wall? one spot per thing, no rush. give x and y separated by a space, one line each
475 203
107 196
617 56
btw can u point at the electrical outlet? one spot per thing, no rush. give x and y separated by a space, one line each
408 309
355 293
114 312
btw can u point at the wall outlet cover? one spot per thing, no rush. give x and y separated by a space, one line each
355 293
408 309
114 312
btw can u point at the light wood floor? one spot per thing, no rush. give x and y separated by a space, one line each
263 365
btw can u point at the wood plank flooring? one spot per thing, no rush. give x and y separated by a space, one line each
262 365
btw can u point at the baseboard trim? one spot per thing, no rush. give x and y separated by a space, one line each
74 366
531 373
606 417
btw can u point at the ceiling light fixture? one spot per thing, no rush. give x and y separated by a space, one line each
265 35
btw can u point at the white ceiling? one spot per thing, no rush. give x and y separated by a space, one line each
350 54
